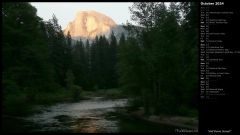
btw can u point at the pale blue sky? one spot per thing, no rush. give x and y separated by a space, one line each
66 12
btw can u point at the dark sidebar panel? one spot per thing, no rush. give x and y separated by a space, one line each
219 63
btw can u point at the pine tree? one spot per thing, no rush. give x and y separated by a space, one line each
162 52
80 64
58 50
26 58
112 61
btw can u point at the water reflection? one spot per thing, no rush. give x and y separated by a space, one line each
88 126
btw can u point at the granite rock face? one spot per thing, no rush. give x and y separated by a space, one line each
88 24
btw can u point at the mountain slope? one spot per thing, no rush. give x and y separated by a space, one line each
89 24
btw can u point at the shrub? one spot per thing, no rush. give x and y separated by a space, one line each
76 92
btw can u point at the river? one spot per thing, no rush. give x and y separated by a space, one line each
95 115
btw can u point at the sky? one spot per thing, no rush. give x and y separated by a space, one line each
66 12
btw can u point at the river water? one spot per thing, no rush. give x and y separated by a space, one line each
84 116
94 115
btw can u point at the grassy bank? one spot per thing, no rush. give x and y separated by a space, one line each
173 120
113 93
23 103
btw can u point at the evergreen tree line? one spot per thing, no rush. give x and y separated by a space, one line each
38 57
32 52
94 64
156 64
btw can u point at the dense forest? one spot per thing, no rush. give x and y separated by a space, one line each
156 65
